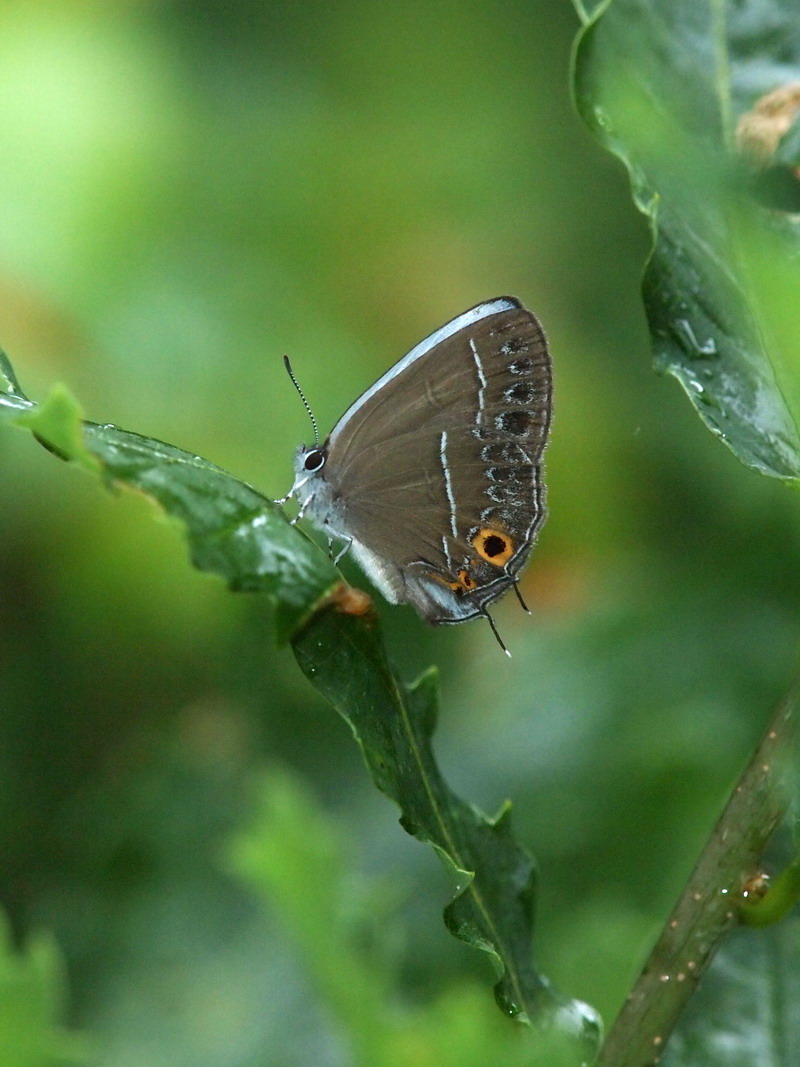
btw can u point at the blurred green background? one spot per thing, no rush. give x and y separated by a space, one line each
187 191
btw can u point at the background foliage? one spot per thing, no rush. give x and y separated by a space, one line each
188 191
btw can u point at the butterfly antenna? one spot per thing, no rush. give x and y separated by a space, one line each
306 404
496 634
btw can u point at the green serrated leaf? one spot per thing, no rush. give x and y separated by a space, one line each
662 87
31 1006
493 909
233 530
294 855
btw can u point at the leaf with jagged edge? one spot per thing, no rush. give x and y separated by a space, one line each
662 86
298 856
236 532
232 529
493 907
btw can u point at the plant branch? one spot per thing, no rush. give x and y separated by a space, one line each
708 907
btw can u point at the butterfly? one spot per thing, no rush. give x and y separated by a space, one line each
432 478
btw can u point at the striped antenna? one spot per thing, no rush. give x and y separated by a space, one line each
306 404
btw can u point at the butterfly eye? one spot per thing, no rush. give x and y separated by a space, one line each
314 459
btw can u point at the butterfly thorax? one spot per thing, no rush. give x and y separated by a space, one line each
320 501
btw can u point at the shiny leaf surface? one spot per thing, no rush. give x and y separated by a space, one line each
665 88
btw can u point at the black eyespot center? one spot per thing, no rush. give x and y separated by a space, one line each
314 459
494 545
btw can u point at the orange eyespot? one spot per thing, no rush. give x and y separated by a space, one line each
495 546
466 579
455 586
464 583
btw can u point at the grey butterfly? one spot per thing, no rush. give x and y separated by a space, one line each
433 477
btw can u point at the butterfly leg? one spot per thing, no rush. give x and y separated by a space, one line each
342 551
519 598
486 615
301 512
